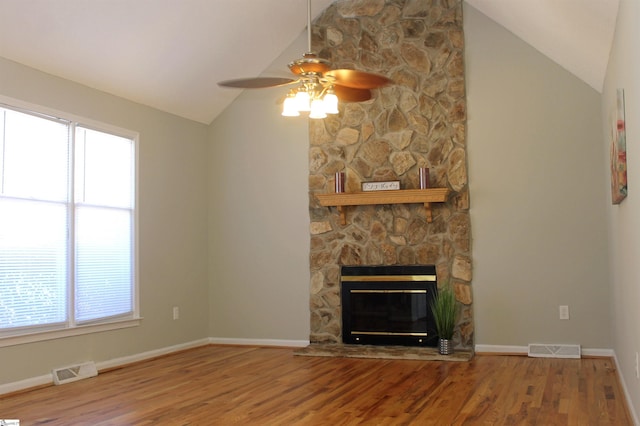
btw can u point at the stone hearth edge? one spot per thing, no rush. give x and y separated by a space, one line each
381 352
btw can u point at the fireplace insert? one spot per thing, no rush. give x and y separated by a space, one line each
388 305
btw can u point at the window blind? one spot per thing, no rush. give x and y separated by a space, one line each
33 220
104 218
66 223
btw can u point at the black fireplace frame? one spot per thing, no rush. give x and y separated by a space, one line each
395 284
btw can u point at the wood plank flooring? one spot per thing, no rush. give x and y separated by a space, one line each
226 385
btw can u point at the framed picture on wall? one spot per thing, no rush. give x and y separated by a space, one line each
618 151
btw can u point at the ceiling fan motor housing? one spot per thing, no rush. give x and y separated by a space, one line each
309 64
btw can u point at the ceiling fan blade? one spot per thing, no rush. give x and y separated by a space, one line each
358 79
256 83
349 94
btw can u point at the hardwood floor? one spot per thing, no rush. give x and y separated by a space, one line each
224 385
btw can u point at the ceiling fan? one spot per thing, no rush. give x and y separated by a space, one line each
318 86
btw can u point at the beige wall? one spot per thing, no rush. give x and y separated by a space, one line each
538 195
172 238
536 175
623 71
258 217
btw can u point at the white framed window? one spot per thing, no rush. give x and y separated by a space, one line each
67 226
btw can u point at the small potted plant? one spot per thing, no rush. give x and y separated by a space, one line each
445 311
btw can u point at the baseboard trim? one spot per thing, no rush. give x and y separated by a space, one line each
604 353
524 350
632 411
501 350
47 379
259 342
21 385
119 362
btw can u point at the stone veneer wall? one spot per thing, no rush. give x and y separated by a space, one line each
417 122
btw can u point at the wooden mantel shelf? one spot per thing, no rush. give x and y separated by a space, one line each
342 200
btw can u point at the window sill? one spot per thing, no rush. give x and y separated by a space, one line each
68 332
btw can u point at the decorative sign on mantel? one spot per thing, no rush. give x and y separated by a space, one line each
381 186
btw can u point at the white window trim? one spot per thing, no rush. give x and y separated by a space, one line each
68 332
31 336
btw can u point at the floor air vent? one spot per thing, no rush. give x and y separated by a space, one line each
554 351
74 373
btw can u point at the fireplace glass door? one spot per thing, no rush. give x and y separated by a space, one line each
388 307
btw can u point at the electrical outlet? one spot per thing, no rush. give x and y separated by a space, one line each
637 367
564 312
176 312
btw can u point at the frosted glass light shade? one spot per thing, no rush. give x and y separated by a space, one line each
303 101
330 101
289 107
317 109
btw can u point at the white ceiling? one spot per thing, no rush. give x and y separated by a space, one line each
169 54
576 34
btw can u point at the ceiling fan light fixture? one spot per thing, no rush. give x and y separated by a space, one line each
314 96
330 102
317 109
289 106
303 100
317 82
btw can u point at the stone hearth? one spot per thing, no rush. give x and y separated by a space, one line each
385 352
420 121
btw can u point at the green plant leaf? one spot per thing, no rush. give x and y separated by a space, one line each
444 311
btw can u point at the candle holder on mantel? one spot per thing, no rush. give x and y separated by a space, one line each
424 177
339 182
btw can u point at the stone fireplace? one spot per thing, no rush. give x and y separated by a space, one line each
420 121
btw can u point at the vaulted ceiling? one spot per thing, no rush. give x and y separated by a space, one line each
169 54
577 34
